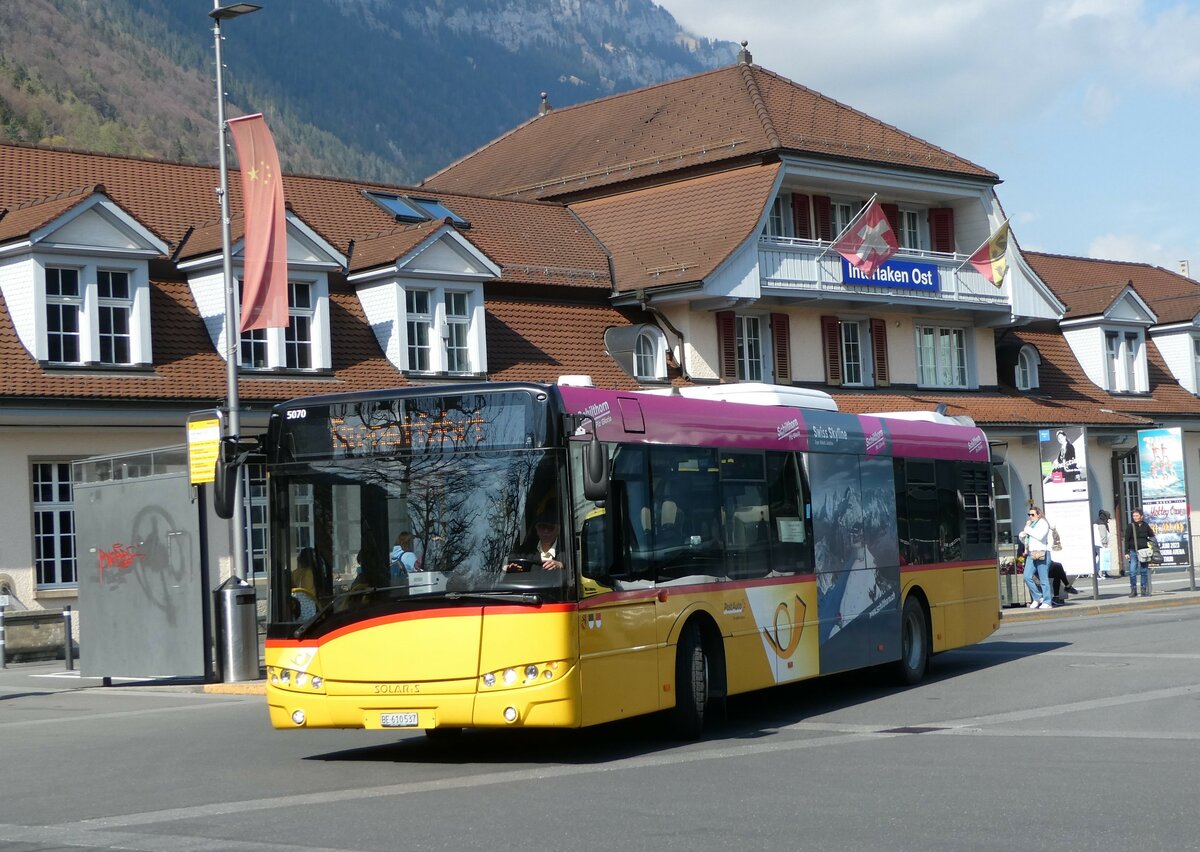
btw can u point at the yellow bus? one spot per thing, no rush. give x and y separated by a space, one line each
508 555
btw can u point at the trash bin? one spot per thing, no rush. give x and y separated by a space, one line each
237 631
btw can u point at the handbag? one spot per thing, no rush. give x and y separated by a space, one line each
1155 556
1145 554
1055 541
1038 555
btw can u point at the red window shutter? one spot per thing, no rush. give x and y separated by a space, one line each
832 338
891 212
782 343
879 352
823 211
941 228
801 219
727 345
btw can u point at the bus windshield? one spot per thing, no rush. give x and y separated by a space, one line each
383 504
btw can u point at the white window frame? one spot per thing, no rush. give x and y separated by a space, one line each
450 332
277 339
1125 360
752 346
50 514
776 221
89 304
113 307
854 340
1028 361
300 317
1196 364
254 503
943 372
64 306
456 333
650 356
418 330
841 212
909 233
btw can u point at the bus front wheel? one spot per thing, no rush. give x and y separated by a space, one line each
691 684
914 643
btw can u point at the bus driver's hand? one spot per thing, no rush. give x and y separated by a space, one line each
551 565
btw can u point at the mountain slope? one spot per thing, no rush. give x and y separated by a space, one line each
378 89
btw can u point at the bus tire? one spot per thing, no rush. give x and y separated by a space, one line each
691 684
910 669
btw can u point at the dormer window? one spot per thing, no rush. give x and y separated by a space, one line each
443 325
95 316
1027 368
300 346
1125 361
650 355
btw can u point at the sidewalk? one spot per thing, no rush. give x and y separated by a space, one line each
1168 589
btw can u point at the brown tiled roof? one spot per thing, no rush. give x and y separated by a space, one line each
538 340
1089 287
679 232
541 243
24 218
729 113
542 248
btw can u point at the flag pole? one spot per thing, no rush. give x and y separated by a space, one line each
233 429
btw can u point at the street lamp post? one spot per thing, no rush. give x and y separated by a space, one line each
232 338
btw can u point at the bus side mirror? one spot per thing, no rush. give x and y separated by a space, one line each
225 478
231 455
595 470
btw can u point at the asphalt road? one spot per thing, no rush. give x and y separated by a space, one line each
1076 733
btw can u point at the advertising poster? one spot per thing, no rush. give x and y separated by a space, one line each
1065 494
1164 494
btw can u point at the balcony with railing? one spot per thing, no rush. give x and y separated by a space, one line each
912 276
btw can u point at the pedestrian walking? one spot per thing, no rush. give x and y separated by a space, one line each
1140 544
1036 537
1101 555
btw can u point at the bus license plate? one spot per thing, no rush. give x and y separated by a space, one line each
398 720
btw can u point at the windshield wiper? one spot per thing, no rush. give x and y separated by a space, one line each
513 597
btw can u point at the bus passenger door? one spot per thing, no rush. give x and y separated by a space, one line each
618 655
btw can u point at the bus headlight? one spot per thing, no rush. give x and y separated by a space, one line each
529 674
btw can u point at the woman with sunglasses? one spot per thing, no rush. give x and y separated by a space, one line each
1036 537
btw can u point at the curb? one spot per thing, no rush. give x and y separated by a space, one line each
1093 608
253 687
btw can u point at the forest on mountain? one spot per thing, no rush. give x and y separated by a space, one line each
383 90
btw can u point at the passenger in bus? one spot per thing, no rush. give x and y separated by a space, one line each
403 559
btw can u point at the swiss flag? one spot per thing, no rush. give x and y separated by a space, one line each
868 241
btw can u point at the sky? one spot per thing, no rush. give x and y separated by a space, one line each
1088 110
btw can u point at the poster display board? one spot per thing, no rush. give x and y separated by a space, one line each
1063 454
1164 493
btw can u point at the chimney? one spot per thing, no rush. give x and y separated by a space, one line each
744 57
1185 269
544 107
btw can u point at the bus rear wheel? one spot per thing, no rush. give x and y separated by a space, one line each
691 684
910 669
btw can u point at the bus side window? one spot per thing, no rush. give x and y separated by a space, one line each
790 517
631 510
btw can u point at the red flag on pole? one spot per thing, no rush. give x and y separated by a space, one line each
991 258
868 240
264 258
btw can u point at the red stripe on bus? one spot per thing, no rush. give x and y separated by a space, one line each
440 612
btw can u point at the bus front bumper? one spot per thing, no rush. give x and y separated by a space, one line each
398 706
